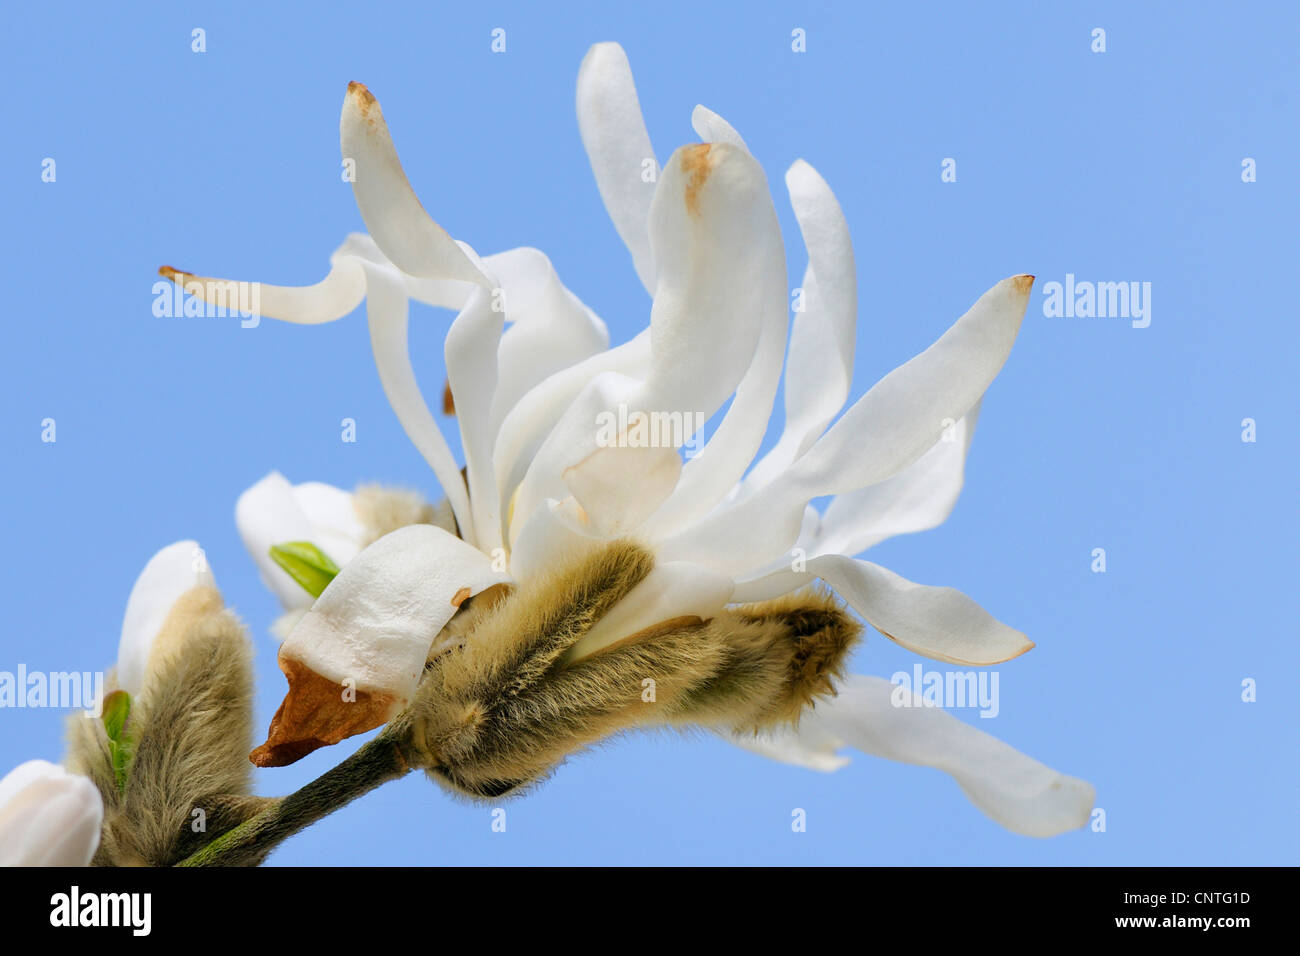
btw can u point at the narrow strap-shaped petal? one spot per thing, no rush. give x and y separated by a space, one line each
918 498
387 308
618 145
936 622
891 426
713 228
819 370
1016 791
333 297
715 470
410 239
471 354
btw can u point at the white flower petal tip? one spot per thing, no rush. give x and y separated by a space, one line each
712 128
355 658
339 293
170 574
1023 795
393 215
618 146
48 816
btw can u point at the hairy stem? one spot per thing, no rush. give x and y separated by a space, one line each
248 844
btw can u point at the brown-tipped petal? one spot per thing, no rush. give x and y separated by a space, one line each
394 217
318 712
333 297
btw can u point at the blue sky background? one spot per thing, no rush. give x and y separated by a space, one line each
1117 166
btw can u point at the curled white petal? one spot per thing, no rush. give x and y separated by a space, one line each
398 223
388 310
333 297
471 355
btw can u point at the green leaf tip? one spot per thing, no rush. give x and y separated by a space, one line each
305 563
117 708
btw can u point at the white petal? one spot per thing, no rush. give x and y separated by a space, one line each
552 329
333 297
712 128
715 236
170 573
615 137
388 311
1018 792
713 229
715 470
810 746
471 355
669 591
336 527
619 487
534 416
48 817
548 538
374 623
919 497
936 622
819 371
267 514
575 438
887 429
773 580
402 229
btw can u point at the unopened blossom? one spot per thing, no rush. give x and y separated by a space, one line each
48 816
714 540
173 735
175 583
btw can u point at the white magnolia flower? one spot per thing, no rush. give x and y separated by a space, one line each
48 817
543 483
